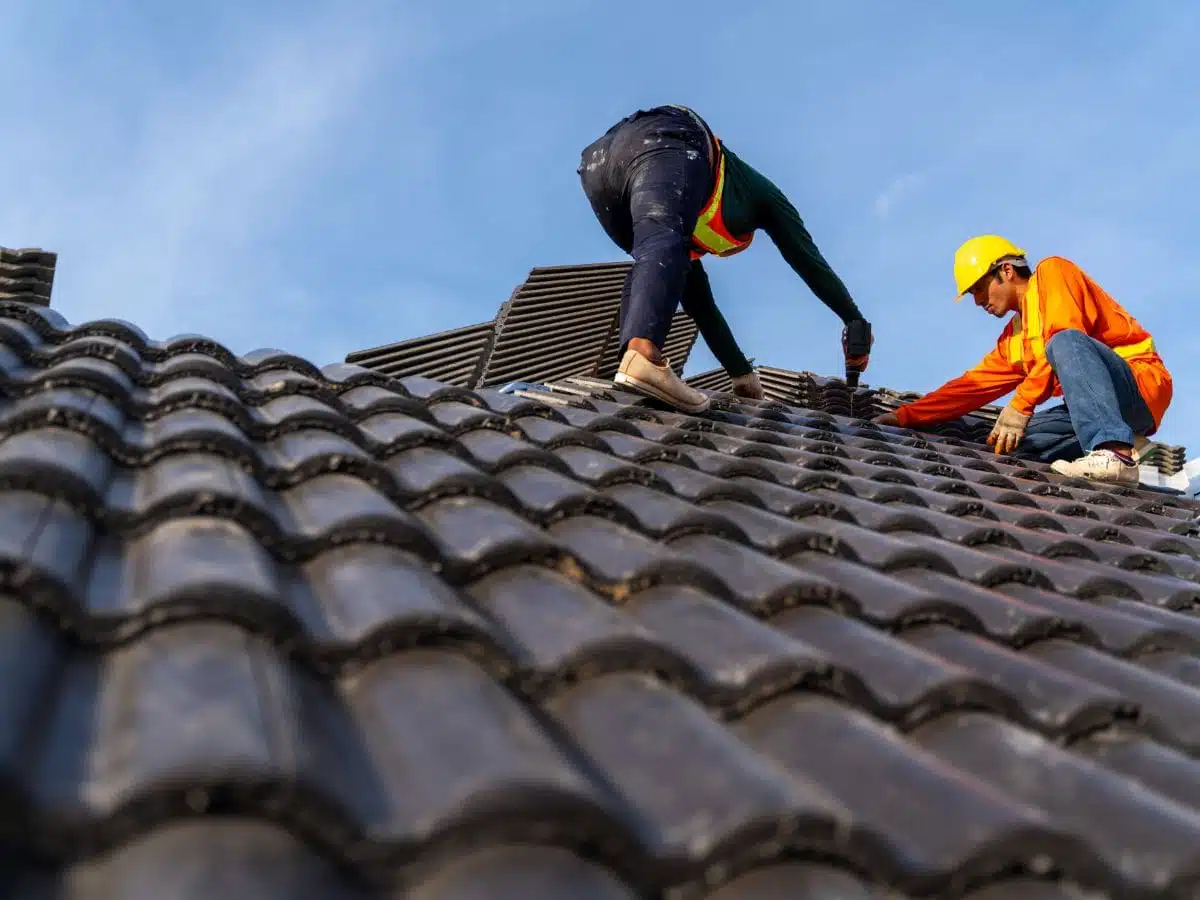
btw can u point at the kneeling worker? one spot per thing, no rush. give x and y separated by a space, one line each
1069 338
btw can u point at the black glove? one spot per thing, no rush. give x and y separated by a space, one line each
856 347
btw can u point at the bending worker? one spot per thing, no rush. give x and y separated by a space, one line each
668 192
1068 338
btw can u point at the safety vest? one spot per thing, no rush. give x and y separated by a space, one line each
710 234
1031 325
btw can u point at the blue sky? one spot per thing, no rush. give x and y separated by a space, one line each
322 177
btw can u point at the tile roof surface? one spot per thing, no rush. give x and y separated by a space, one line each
451 357
277 631
561 321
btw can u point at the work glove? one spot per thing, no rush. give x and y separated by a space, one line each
1008 430
856 347
748 386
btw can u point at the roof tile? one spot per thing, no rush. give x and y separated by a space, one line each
1146 839
966 828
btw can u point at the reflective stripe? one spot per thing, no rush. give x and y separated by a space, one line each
710 234
1141 347
1016 353
1031 315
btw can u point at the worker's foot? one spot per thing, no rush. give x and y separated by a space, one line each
748 386
1099 465
659 381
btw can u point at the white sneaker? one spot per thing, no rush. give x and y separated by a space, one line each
1099 465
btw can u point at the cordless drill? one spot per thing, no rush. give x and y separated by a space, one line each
856 346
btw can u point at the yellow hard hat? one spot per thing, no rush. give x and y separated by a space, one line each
975 257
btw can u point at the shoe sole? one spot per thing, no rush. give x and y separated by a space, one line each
1114 480
651 391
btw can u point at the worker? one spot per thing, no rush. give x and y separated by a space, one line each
1068 338
668 192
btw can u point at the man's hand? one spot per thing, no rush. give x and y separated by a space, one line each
888 418
1008 430
857 341
748 386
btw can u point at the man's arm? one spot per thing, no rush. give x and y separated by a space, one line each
698 303
992 378
1061 292
783 225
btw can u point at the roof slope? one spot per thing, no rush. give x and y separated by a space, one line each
449 356
404 639
560 321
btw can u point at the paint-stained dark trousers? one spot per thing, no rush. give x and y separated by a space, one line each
647 179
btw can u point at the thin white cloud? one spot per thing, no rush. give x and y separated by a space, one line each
897 191
172 228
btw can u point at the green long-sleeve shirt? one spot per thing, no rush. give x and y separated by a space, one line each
751 202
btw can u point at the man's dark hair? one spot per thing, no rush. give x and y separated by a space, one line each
1019 263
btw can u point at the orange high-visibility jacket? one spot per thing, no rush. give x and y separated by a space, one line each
1060 296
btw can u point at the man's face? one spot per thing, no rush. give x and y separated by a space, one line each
997 293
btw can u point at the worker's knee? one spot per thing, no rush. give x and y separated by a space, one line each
1068 338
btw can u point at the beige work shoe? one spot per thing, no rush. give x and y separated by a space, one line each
659 382
748 386
1099 465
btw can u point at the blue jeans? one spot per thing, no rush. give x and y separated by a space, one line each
1101 402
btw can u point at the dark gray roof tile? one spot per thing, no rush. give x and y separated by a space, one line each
1171 710
895 680
731 660
427 473
663 516
799 881
520 872
599 468
359 602
1046 698
991 611
936 823
27 275
546 495
720 798
1168 771
562 632
1181 666
1145 839
1120 627
475 536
